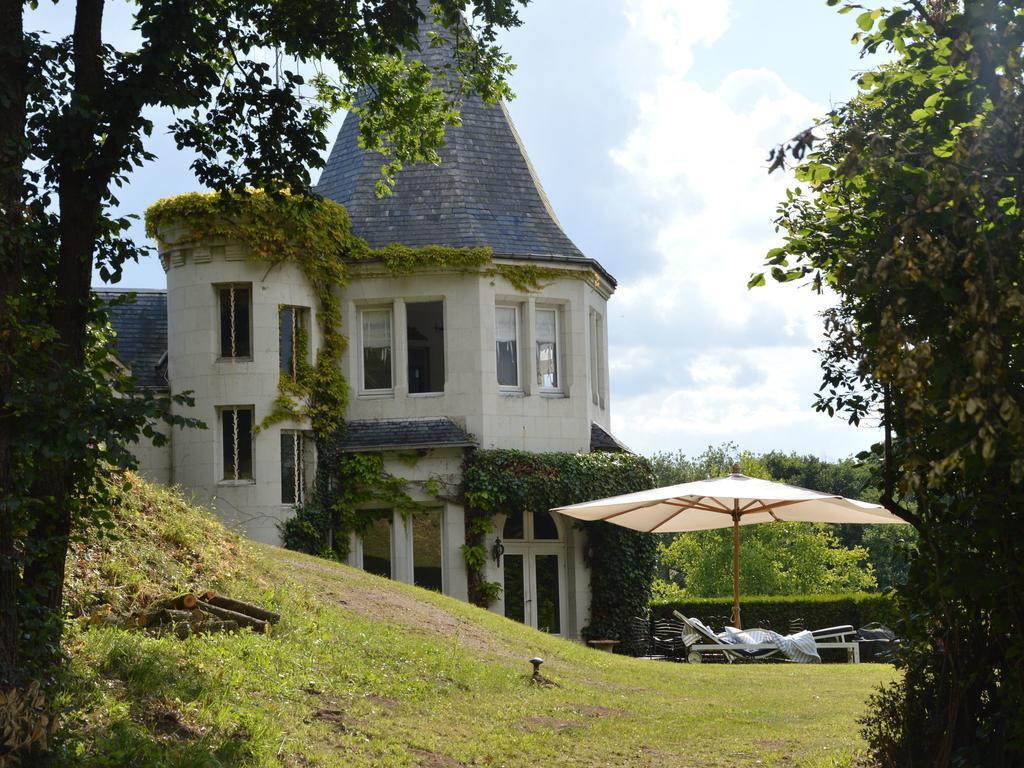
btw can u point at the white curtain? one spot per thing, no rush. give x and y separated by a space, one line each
377 329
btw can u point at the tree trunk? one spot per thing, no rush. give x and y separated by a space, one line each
80 188
12 159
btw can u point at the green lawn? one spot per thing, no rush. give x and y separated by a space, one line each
362 671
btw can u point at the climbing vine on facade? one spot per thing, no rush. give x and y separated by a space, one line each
623 561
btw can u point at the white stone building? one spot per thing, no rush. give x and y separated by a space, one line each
437 362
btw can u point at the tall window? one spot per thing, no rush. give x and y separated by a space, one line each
426 550
377 545
377 349
507 345
597 352
293 333
236 442
294 447
547 349
424 332
235 321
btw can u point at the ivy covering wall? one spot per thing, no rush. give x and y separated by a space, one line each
621 561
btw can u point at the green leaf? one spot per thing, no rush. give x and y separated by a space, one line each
866 20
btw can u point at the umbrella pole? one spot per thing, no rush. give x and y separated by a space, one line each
736 570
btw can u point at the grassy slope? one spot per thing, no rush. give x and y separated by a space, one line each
363 671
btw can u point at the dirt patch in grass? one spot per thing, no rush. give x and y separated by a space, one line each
382 701
551 723
168 722
393 606
427 759
594 710
337 719
773 745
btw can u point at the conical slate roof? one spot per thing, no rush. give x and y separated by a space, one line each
484 192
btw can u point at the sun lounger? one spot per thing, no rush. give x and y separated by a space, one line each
760 644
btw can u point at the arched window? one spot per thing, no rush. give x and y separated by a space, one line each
530 526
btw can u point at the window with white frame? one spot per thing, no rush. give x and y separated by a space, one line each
376 340
235 320
506 335
236 443
295 460
548 327
597 353
293 336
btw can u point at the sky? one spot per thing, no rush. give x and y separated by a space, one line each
649 123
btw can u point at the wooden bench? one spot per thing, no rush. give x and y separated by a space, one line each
603 645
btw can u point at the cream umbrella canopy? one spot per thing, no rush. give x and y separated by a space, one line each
726 502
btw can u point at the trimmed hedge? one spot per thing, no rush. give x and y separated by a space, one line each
817 611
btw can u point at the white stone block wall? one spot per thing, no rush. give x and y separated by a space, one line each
254 507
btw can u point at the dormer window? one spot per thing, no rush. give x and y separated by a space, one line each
376 340
506 334
235 321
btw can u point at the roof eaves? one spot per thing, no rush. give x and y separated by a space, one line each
386 447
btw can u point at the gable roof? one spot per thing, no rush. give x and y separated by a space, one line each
140 326
396 434
484 192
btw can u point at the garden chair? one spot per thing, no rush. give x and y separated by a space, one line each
668 640
842 637
640 640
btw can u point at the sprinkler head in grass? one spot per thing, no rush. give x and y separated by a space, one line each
536 661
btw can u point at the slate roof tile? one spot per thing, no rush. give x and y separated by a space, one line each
396 434
484 192
140 326
602 440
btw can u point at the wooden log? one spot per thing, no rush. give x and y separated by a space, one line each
244 620
208 595
249 609
209 627
185 602
185 629
168 616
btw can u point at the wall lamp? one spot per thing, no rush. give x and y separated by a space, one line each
497 550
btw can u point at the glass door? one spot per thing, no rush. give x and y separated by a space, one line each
515 587
547 593
534 587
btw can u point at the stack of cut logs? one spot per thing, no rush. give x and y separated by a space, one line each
189 614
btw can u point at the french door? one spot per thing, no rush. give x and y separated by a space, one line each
535 585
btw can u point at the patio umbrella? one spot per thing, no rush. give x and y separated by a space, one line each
725 502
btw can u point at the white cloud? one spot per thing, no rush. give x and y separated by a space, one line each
699 154
677 26
769 409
